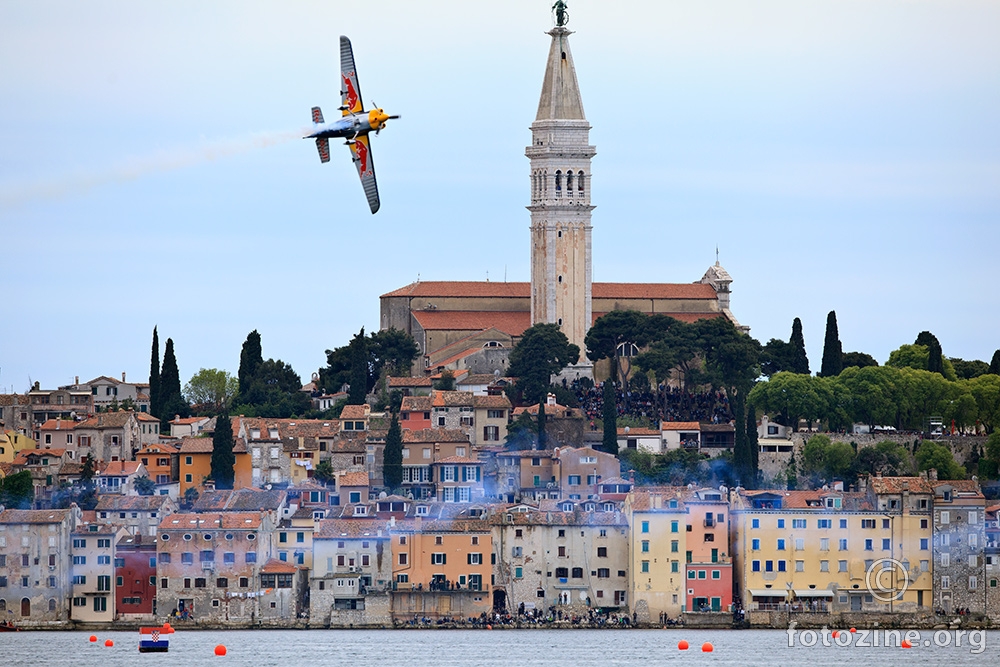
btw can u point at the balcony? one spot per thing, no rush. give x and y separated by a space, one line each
709 523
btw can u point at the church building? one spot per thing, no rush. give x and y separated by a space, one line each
461 325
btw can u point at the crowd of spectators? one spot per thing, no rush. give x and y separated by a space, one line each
663 404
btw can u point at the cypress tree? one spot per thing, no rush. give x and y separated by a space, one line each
752 448
154 376
251 357
392 456
170 389
797 348
543 439
609 415
995 363
359 369
935 362
833 352
223 458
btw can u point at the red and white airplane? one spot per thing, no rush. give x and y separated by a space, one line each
354 126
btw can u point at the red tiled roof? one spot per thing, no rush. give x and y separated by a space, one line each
510 322
355 412
212 520
434 435
353 479
275 566
638 431
458 288
196 446
416 403
120 468
338 528
58 425
680 426
410 382
33 516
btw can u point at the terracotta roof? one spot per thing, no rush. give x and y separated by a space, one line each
58 425
14 399
550 513
212 520
355 412
550 410
119 468
109 502
353 479
465 460
275 566
523 290
195 445
107 420
814 500
459 288
642 498
637 431
240 500
416 403
410 382
145 417
717 428
895 484
434 435
34 516
188 420
512 323
328 529
452 399
500 402
680 426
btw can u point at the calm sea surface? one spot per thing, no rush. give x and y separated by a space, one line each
410 648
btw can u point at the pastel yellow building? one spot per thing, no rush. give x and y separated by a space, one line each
657 551
12 442
830 550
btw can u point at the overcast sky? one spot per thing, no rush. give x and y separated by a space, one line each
843 155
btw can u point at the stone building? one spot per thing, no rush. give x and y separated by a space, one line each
35 566
568 554
140 515
959 543
93 572
352 573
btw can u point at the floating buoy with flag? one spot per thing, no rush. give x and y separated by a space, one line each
151 639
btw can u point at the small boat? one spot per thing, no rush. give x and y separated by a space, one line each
151 640
9 627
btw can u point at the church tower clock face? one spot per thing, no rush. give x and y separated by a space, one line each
560 155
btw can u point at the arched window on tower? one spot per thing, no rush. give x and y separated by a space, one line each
579 182
569 183
558 183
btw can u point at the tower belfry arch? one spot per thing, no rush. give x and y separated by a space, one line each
560 155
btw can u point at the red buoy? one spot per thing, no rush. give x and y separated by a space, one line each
108 642
906 644
682 645
220 650
853 630
93 638
707 647
836 633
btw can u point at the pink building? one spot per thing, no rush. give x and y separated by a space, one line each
709 578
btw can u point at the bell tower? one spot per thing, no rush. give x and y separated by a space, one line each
560 208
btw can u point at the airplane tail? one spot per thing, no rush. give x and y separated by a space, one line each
317 115
323 146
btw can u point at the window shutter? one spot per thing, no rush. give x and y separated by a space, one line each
444 559
456 473
465 476
479 474
468 559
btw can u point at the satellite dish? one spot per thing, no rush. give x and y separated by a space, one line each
496 374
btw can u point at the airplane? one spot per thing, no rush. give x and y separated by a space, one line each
354 127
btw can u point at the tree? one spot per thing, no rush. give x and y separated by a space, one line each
87 471
542 352
446 382
609 418
223 458
887 458
995 363
826 461
170 389
966 370
930 341
605 339
775 357
521 433
17 491
933 455
919 357
388 352
392 456
144 486
797 349
190 498
251 357
833 353
154 377
359 369
857 360
275 391
211 389
324 473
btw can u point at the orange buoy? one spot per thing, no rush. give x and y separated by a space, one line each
93 638
108 642
489 627
707 647
853 630
682 645
220 650
906 644
836 633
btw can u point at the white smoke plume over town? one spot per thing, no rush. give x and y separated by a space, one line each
18 194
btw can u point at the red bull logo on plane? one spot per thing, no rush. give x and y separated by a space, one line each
361 149
351 101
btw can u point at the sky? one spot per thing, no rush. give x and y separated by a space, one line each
841 155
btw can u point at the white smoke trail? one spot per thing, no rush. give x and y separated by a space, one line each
17 194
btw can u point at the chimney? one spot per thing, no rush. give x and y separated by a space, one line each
77 380
550 399
123 376
932 474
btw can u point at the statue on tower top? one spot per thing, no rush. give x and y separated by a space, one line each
562 16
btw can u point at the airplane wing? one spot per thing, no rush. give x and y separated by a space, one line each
350 91
361 150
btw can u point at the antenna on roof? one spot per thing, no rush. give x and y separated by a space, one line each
716 254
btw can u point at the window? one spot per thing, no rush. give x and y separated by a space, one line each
438 558
474 559
868 523
781 544
945 582
798 523
104 560
800 543
868 545
781 523
824 566
602 552
518 572
673 526
574 480
945 517
843 523
800 566
515 552
945 559
200 582
755 544
187 558
251 557
755 566
562 552
824 523
924 543
603 572
843 544
645 546
755 523
674 546
645 566
841 566
104 582
886 544
781 566
100 603
824 544
229 558
77 560
692 574
645 526
402 559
